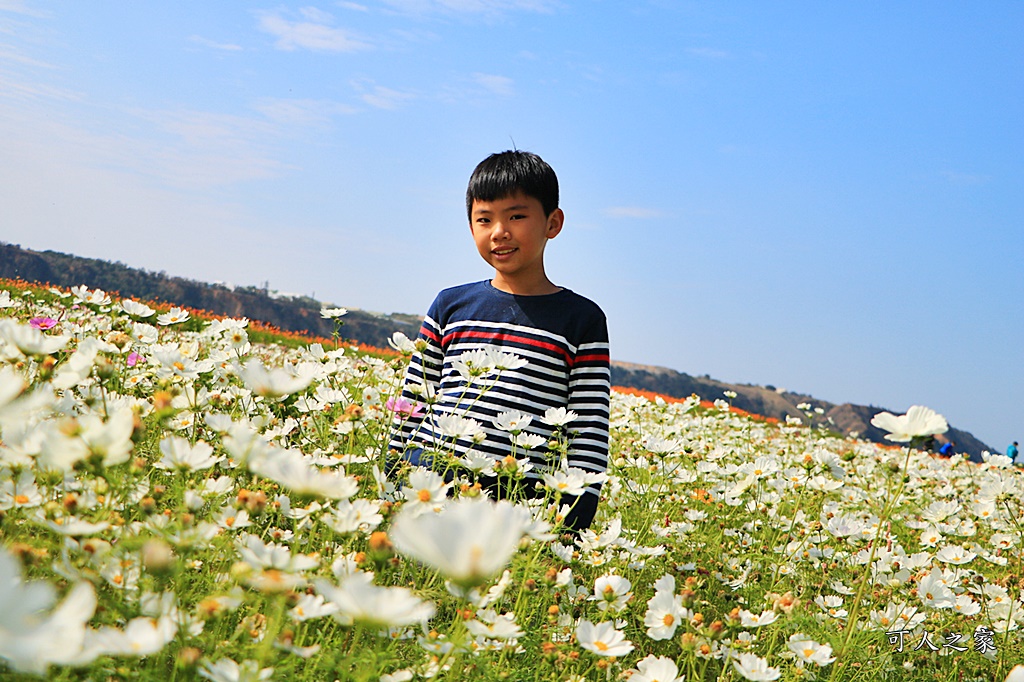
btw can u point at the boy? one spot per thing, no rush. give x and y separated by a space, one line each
512 204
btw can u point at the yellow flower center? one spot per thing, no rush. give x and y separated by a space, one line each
424 495
668 620
600 646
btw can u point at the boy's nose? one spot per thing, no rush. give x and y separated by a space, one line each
499 231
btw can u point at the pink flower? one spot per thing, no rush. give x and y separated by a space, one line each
404 406
133 359
43 322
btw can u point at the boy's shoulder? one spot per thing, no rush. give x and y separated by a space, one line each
567 301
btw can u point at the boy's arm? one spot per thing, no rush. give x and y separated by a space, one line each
422 379
589 397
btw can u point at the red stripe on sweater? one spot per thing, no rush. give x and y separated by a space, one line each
493 336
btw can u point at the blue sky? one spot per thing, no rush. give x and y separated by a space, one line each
820 196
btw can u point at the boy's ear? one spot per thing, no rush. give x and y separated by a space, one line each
555 222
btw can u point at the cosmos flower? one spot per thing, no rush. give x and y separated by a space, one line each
29 340
332 313
918 422
469 541
656 669
404 407
181 455
43 323
359 600
753 620
611 592
136 309
809 651
752 667
401 343
172 316
290 469
227 670
272 383
602 639
31 636
512 421
665 610
558 416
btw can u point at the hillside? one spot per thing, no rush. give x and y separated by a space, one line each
302 314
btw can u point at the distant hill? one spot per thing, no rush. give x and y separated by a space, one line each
302 314
777 403
290 313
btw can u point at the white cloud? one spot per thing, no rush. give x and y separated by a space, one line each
22 90
314 33
20 7
206 42
355 6
708 52
301 111
379 96
486 7
632 212
499 85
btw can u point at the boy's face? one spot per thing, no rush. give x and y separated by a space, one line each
511 234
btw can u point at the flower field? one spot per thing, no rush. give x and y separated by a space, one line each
178 502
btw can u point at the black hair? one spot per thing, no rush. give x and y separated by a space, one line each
503 174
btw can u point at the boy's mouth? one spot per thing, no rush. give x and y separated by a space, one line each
503 252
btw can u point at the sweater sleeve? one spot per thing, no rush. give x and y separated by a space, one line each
589 398
422 379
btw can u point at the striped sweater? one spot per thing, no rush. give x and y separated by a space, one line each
563 338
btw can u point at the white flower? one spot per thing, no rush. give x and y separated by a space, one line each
97 297
656 669
30 340
469 541
809 651
527 441
289 468
1016 675
350 516
916 423
273 383
933 591
512 421
611 592
332 313
172 316
454 426
179 454
401 343
558 416
753 620
952 554
493 626
311 606
226 670
141 637
665 611
754 668
30 638
136 309
427 491
358 599
262 555
602 639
